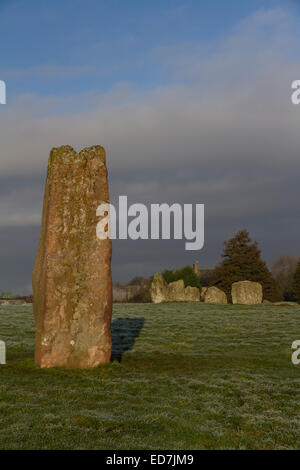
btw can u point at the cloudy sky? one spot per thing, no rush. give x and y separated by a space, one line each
191 99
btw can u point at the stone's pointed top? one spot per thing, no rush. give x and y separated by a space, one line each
67 150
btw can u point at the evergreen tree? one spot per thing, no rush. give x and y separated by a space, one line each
242 261
296 283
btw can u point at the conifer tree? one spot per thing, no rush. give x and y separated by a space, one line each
296 284
242 261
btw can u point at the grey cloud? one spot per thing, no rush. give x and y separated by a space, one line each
21 206
17 253
228 138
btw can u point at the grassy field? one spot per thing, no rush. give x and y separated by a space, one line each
183 376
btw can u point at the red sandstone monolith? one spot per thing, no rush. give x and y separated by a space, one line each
72 274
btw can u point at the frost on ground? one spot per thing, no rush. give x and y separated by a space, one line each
182 376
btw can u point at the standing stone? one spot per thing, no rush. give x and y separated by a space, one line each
72 275
192 294
214 295
159 289
246 293
203 294
176 291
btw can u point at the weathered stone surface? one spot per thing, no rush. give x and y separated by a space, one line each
203 293
286 304
246 293
72 275
214 295
173 292
159 289
192 294
176 291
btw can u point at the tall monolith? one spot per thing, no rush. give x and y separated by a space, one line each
72 275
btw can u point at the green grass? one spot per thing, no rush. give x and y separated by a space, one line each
192 376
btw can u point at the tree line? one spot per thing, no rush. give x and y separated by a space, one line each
241 260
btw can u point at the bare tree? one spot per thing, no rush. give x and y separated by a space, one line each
283 269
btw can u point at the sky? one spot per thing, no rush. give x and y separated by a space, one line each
191 100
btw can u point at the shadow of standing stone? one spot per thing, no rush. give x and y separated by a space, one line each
124 333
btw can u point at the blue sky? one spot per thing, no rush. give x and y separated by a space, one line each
56 47
191 100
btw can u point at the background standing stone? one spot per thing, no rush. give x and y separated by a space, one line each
192 294
159 289
173 292
72 275
176 291
246 293
214 295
